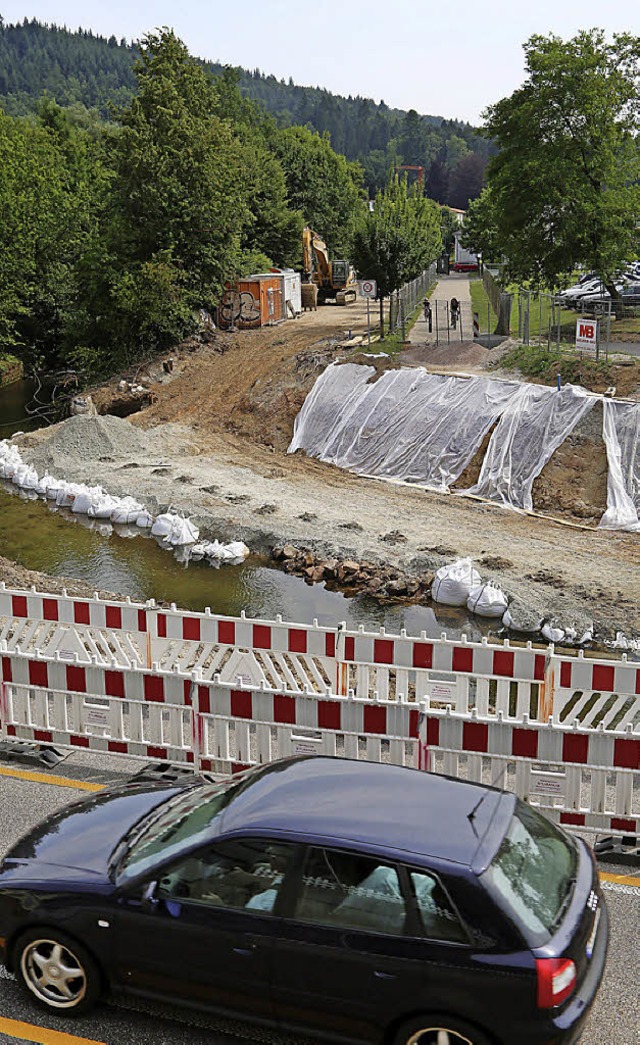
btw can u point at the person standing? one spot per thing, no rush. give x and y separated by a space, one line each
454 309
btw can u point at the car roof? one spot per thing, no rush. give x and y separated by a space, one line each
376 806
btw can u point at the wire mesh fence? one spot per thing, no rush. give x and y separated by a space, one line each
404 302
544 319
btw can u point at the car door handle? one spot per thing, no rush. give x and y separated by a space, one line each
384 975
249 945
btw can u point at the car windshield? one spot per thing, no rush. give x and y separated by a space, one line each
533 874
175 825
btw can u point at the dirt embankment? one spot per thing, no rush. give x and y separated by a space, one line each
219 430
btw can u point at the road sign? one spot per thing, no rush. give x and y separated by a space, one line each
587 333
368 288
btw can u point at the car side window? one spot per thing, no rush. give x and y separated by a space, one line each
351 892
438 918
243 874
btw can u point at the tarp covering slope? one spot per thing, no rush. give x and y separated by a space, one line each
409 424
621 433
534 424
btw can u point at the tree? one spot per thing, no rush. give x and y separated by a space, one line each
398 239
466 180
480 229
177 208
565 186
323 185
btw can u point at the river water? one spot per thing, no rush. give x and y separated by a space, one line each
39 536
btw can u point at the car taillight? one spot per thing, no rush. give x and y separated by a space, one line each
556 980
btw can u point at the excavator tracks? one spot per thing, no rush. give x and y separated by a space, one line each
346 297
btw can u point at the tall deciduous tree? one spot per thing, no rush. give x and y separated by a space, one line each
565 185
398 239
177 209
323 185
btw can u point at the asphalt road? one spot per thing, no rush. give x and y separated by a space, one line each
29 792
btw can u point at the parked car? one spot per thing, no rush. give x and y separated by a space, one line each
585 284
367 902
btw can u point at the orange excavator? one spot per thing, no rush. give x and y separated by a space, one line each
332 280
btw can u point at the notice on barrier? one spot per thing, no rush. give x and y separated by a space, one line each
306 745
551 784
441 690
96 716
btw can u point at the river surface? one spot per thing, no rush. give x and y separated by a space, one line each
39 536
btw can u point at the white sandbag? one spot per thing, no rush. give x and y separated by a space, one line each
102 507
528 625
52 487
85 499
238 550
162 525
25 476
487 601
182 532
127 511
67 494
453 584
553 632
144 520
44 483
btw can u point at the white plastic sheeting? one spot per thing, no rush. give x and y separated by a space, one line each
534 424
409 424
621 433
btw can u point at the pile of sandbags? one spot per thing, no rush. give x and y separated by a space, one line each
170 529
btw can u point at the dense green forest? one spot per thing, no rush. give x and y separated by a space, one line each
81 69
114 232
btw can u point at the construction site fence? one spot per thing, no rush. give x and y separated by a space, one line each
544 320
583 778
219 693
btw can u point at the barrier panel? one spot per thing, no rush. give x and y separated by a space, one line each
293 656
583 778
490 678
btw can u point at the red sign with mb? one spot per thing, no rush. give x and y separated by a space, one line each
586 333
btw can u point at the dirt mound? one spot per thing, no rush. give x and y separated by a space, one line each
257 387
94 438
455 356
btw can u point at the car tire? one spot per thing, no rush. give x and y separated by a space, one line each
56 971
438 1029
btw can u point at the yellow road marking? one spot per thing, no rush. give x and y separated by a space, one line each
42 1035
47 778
621 879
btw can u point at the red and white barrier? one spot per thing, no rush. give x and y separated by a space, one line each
588 781
581 778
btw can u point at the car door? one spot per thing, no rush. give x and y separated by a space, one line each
345 960
203 931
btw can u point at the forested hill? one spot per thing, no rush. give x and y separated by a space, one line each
79 68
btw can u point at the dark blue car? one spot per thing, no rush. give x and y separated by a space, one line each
358 901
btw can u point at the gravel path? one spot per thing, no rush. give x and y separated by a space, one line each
266 499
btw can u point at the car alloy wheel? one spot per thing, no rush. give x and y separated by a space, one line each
438 1036
438 1029
54 973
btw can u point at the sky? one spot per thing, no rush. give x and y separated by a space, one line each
448 59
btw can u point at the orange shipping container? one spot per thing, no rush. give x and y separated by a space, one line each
254 302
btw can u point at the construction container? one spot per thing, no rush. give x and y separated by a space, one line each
291 290
256 301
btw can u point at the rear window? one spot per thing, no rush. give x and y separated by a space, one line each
533 874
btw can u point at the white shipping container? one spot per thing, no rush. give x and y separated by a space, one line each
291 292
